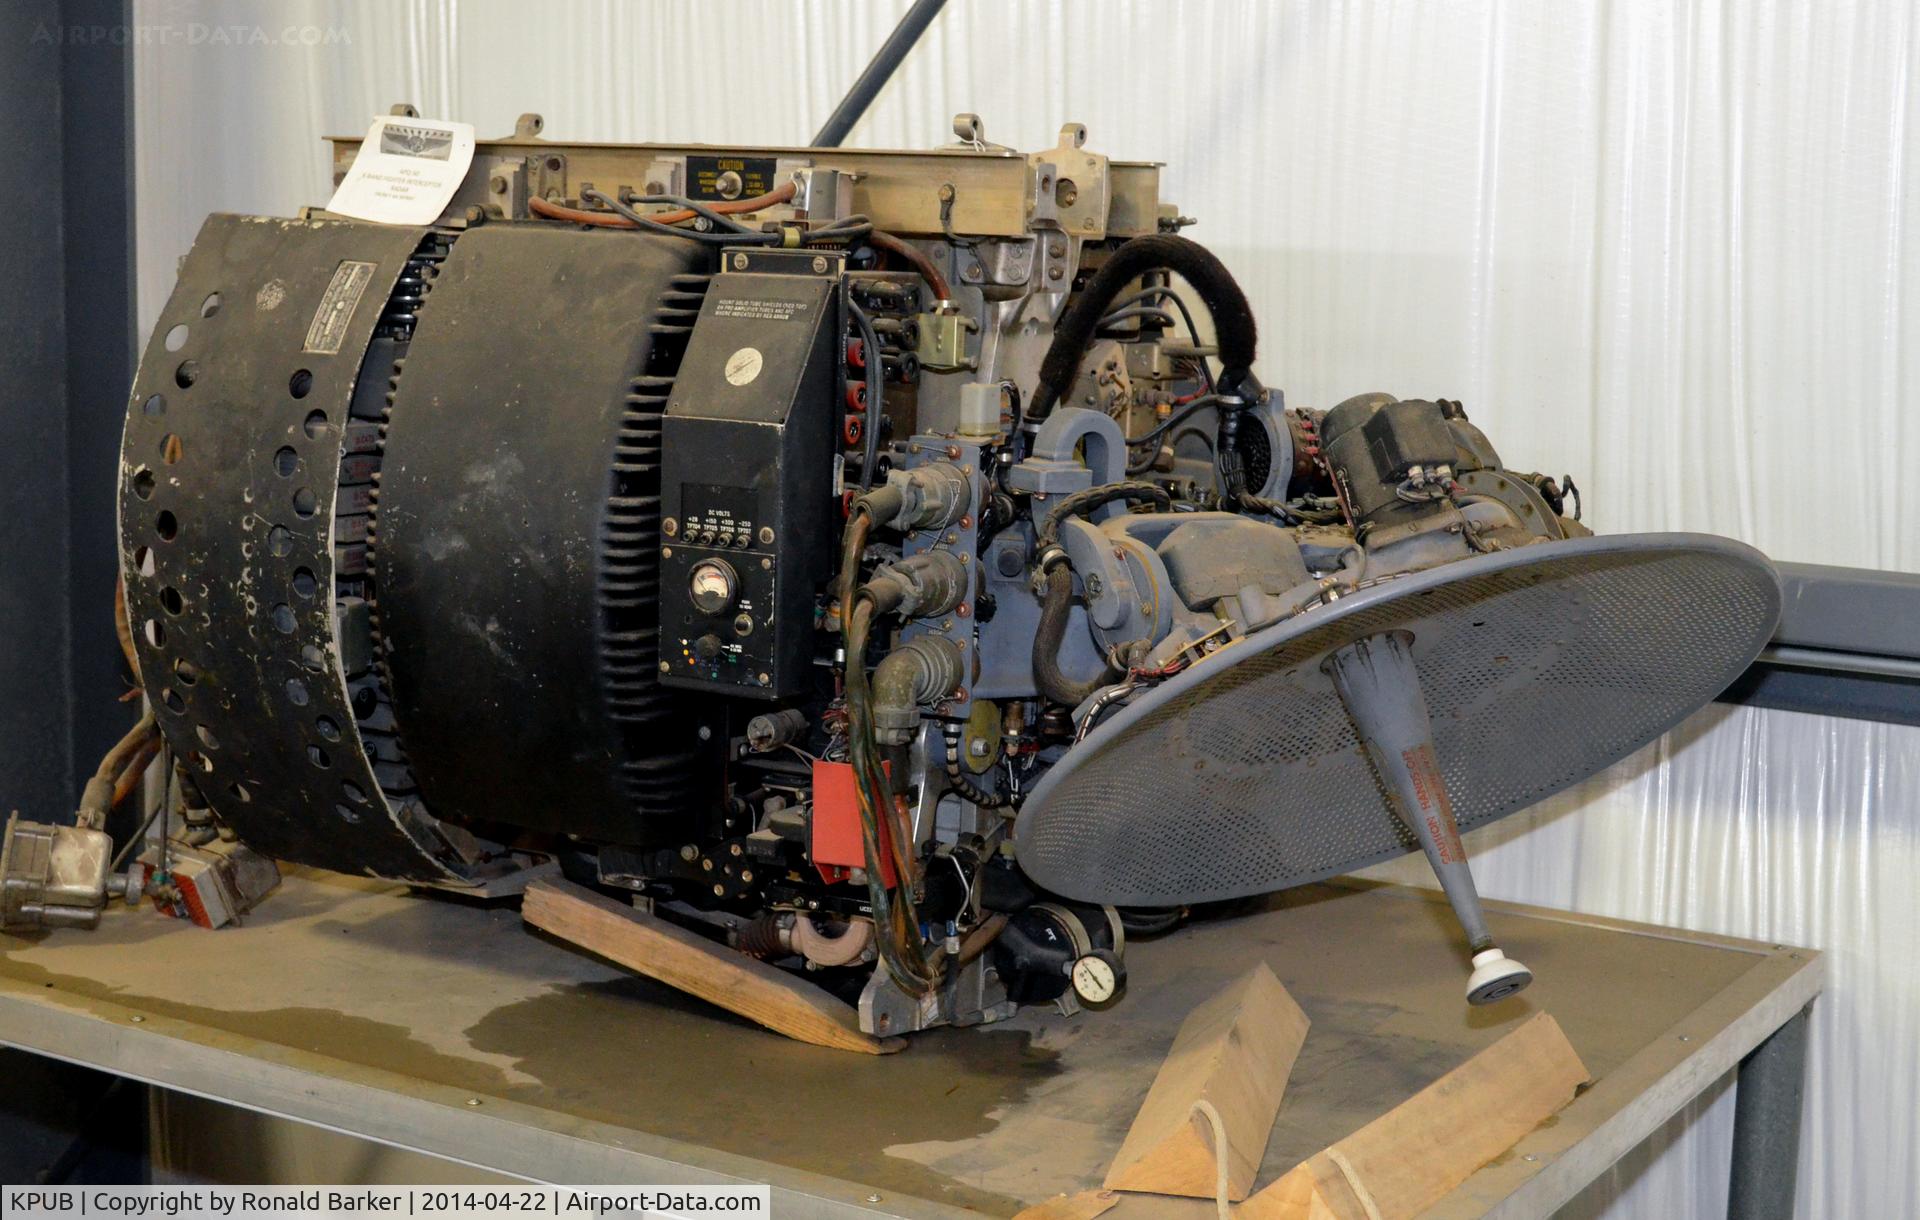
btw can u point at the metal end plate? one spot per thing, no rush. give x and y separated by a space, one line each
1540 667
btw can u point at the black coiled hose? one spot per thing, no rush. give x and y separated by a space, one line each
1232 317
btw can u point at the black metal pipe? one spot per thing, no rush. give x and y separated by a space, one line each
878 72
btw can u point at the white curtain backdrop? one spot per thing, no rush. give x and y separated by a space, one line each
1670 247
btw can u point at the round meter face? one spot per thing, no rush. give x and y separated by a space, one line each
712 585
1094 980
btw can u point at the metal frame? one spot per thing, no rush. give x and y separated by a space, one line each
1848 645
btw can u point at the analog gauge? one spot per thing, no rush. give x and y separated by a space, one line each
1095 981
713 585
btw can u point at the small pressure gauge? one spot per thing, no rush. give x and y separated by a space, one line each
1096 981
712 585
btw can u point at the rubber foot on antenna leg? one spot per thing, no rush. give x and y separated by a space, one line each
1495 977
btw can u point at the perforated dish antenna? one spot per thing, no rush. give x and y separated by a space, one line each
1395 717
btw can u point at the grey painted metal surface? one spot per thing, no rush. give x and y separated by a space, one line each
1848 644
1766 1125
1849 610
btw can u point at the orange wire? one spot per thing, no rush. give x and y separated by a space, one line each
613 220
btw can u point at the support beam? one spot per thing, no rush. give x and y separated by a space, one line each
1766 1125
878 72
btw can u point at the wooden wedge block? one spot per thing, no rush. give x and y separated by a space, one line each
1234 1052
678 958
1403 1162
1083 1206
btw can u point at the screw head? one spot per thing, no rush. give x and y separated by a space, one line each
670 527
766 535
739 262
473 1101
819 263
666 552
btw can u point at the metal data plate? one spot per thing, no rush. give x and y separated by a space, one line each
1540 666
229 470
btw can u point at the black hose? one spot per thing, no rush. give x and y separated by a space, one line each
1057 605
876 403
1052 632
1080 503
1232 317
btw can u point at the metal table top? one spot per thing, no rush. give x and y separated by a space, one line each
448 1027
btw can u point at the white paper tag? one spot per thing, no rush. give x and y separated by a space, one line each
406 171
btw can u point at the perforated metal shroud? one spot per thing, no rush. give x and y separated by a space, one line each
1540 666
230 477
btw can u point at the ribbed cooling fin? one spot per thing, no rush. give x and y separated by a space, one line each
655 780
372 691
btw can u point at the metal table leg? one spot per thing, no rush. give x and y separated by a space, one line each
1766 1125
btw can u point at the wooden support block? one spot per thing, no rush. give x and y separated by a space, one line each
1403 1162
1233 1052
677 957
1083 1206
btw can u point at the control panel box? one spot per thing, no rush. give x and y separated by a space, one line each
747 486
